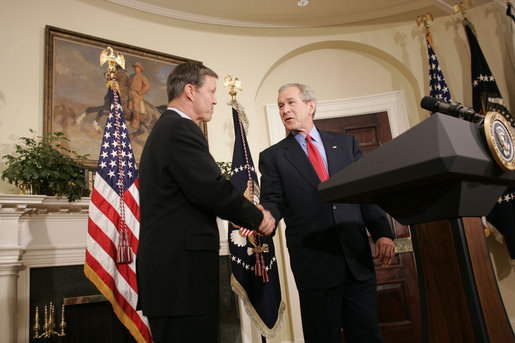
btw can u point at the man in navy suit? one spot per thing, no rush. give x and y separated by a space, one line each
181 193
328 245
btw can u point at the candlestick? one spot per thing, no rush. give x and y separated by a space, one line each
36 326
63 323
49 324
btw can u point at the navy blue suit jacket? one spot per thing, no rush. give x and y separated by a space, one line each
321 237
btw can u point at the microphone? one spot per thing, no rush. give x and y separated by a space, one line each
453 109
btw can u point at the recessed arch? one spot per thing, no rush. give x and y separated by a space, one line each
344 45
384 59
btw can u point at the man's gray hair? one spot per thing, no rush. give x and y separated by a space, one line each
306 93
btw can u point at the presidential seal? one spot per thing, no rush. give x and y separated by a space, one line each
500 138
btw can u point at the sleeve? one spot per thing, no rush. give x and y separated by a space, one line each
374 217
201 181
272 196
376 221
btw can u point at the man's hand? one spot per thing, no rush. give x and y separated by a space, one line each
385 251
268 224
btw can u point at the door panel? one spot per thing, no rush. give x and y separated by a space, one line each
397 284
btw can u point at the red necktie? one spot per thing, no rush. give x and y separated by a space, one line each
316 160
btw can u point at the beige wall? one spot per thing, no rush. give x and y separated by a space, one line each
339 62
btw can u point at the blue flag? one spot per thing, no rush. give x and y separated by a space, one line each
502 218
254 266
486 96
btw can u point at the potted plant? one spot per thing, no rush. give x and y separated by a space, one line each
42 165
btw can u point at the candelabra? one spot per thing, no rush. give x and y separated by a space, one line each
49 323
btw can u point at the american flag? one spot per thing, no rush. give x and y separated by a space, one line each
253 262
437 86
113 225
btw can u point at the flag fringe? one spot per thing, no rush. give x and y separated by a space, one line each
241 113
108 294
253 315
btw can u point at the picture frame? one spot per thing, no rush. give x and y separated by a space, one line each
75 90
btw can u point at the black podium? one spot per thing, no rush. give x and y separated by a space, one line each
439 178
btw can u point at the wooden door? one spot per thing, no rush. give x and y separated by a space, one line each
397 285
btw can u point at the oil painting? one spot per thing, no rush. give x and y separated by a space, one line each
77 99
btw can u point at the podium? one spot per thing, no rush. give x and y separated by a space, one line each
439 178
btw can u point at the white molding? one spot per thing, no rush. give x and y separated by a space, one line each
192 17
9 254
39 257
447 5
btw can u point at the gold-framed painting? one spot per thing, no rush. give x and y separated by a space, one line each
76 97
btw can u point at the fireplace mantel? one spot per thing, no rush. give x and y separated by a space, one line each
35 231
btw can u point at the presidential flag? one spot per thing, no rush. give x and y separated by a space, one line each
502 218
253 263
113 225
486 96
509 24
437 86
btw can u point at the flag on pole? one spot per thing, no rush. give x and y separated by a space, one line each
113 225
254 266
437 86
486 96
510 31
502 218
510 12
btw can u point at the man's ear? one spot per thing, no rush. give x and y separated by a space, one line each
312 107
189 91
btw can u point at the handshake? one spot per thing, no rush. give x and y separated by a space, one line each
268 224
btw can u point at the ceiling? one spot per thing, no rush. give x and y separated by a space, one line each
286 13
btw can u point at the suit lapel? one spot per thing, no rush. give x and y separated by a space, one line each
297 157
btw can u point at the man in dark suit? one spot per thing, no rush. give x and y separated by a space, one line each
328 245
181 193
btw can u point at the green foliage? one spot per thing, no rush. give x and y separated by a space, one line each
47 167
225 168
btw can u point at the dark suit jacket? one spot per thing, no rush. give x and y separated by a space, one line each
181 193
321 237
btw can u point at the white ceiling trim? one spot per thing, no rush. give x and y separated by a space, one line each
197 18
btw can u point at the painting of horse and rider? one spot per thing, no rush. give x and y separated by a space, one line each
78 100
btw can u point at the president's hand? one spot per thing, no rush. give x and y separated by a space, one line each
268 224
385 251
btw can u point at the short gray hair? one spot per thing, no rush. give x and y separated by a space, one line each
306 93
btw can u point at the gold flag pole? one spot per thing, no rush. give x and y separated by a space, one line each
124 250
233 83
423 19
461 6
108 55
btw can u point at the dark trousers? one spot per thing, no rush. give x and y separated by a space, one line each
352 305
188 329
